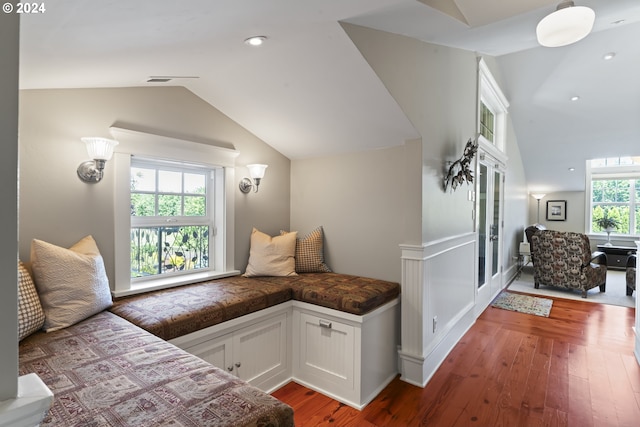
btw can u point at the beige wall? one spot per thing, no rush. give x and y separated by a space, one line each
575 211
57 207
515 192
370 202
436 88
359 200
9 36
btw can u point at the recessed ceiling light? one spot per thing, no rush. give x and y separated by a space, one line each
255 40
618 22
609 56
575 98
572 169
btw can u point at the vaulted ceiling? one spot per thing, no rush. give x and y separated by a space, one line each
308 92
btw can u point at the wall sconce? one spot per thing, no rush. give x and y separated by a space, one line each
256 172
100 150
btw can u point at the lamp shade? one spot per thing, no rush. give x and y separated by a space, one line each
538 196
566 25
99 148
257 170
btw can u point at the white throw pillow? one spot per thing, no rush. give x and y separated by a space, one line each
72 283
272 256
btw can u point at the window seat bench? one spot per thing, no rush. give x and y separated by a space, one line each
332 332
104 371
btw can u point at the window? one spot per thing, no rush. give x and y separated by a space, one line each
170 218
492 110
615 192
487 117
174 212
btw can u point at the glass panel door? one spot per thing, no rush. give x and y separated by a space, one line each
482 225
489 226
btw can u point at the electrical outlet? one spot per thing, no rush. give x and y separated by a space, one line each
435 323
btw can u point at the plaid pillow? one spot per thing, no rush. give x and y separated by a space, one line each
310 253
30 313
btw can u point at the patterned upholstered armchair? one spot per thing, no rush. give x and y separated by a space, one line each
631 274
564 259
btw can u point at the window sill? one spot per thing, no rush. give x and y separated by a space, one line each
171 282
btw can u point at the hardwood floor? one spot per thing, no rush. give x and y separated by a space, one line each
575 368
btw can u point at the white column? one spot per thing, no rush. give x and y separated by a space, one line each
413 306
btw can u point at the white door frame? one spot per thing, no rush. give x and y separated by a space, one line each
492 281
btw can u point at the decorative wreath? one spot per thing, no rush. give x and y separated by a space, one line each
460 170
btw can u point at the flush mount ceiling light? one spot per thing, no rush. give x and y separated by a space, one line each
255 40
567 25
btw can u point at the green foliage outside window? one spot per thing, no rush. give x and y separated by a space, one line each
611 198
158 250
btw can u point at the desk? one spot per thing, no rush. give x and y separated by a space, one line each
617 255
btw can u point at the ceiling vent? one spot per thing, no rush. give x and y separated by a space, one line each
159 79
165 79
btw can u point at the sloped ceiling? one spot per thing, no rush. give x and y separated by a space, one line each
308 92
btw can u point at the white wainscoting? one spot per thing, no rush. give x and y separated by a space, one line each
438 297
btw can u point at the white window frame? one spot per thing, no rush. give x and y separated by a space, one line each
608 172
208 219
491 95
220 160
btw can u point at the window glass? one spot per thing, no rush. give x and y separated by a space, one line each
486 122
143 179
170 229
617 199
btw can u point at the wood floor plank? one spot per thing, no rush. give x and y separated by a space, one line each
575 368
558 386
602 405
579 413
625 403
578 361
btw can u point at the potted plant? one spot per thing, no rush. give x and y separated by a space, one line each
607 224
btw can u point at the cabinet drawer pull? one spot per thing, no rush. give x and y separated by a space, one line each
325 324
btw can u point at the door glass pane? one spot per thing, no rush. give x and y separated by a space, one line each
482 224
495 231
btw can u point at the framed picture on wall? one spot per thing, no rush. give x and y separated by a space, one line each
556 210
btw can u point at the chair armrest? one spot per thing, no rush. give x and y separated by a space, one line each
631 261
599 258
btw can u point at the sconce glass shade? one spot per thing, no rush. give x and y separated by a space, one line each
99 148
257 170
567 25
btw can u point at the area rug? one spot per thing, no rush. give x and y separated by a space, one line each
616 293
523 304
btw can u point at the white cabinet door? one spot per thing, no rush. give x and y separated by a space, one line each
326 353
217 351
260 351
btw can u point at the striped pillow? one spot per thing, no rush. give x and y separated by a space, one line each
310 253
30 313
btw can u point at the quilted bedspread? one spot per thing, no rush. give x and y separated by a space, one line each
104 371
